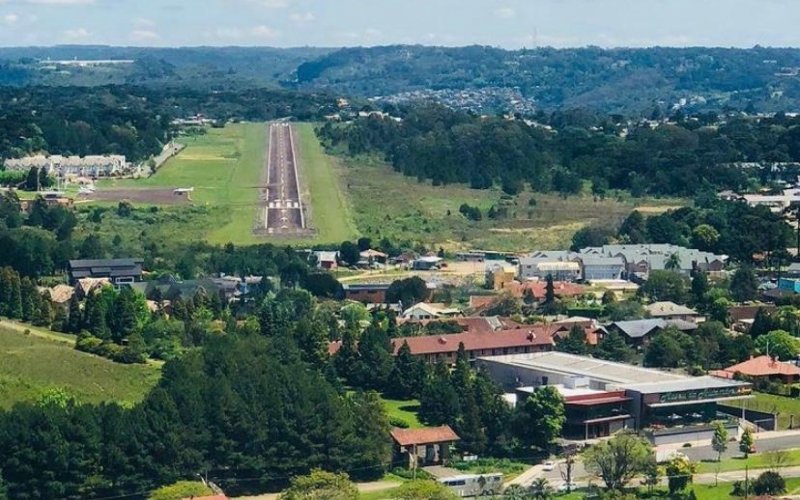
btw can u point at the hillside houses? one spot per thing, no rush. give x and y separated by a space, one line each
67 166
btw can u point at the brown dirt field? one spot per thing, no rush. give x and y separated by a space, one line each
154 196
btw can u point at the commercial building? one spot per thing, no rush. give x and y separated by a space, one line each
602 397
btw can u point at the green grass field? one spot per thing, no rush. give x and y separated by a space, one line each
788 409
723 491
405 411
388 204
33 363
756 461
330 208
226 168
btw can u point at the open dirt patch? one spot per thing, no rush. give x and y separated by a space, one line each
153 196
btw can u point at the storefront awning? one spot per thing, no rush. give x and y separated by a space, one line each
698 401
597 401
607 419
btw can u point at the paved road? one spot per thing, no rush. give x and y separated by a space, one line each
284 210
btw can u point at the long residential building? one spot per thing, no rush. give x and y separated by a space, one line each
87 166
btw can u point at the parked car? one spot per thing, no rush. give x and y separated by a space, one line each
568 487
548 466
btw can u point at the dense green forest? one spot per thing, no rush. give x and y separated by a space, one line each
629 81
680 158
245 411
128 120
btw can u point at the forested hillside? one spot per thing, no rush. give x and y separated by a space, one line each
615 80
128 120
628 81
683 157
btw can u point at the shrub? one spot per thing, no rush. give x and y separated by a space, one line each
769 483
398 422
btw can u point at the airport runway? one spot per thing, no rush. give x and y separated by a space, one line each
284 208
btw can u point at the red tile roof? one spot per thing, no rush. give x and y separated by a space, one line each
561 289
762 366
439 344
426 435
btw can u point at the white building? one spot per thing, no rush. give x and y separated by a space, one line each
87 166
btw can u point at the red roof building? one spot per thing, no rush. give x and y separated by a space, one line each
426 446
538 288
764 367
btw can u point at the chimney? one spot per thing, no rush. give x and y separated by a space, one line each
442 340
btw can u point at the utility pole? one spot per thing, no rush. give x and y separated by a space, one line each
746 482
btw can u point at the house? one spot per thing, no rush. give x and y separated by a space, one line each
444 348
429 311
602 268
670 311
326 260
422 447
562 266
118 271
639 332
87 286
592 330
366 293
499 274
762 368
793 271
427 263
60 295
373 256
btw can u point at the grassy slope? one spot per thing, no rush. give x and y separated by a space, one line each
757 461
403 410
33 364
330 212
723 491
388 204
785 407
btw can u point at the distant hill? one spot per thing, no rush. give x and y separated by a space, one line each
616 80
483 79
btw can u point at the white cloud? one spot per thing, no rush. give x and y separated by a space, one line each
76 34
301 17
61 2
144 35
10 18
143 22
505 13
265 32
272 4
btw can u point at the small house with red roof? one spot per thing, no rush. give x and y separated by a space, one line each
422 447
762 368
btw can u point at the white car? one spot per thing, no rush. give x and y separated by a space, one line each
568 487
548 466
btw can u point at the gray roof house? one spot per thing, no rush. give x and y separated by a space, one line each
119 271
639 331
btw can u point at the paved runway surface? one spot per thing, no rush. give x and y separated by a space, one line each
284 209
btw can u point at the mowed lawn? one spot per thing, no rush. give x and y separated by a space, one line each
225 168
330 210
388 204
32 364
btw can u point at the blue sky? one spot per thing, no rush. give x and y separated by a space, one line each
504 23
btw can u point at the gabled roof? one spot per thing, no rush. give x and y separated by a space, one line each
638 328
667 308
426 435
528 335
762 366
60 294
